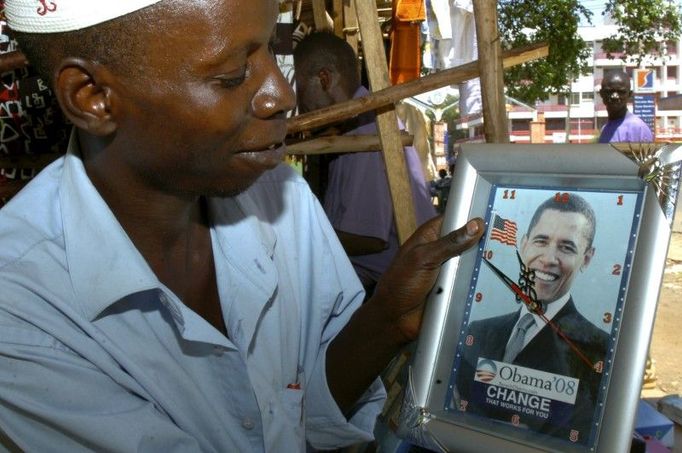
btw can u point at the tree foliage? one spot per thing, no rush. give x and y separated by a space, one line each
643 26
555 22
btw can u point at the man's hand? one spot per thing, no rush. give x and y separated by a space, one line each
391 318
413 272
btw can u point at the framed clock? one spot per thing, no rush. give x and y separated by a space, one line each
536 339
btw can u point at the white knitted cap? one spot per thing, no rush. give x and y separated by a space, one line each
51 16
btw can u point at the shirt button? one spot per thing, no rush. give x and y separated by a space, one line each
247 423
163 298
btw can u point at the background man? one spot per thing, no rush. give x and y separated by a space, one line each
557 245
622 126
357 200
169 285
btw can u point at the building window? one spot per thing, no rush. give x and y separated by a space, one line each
520 125
587 96
555 124
672 73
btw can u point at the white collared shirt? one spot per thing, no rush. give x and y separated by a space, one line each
96 353
538 322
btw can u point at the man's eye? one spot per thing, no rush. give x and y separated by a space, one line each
231 82
567 249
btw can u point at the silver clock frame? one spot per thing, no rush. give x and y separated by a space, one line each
649 169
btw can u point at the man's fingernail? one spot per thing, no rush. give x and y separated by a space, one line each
472 227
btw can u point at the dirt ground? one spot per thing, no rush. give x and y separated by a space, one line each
666 343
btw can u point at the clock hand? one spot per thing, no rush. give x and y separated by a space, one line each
535 307
531 304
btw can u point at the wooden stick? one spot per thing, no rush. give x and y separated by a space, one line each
490 63
387 121
393 94
342 144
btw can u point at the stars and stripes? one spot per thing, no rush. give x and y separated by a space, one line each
503 230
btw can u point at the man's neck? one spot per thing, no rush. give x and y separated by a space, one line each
617 116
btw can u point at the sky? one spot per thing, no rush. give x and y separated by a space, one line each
597 7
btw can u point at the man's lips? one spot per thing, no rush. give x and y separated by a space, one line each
545 276
270 156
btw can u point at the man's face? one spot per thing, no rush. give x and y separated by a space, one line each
615 92
556 249
312 92
204 115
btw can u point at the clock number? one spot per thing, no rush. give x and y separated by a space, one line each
469 340
620 200
608 317
560 197
616 269
488 254
463 405
573 435
509 194
478 297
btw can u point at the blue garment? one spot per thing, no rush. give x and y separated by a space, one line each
96 353
630 128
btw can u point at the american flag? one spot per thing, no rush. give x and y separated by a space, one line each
503 230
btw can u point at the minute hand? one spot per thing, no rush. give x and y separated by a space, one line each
537 309
530 303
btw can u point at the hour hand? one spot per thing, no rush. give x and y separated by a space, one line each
531 304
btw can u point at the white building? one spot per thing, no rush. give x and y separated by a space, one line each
585 112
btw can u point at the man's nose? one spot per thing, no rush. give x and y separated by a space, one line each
550 256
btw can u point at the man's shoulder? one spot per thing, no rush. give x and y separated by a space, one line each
32 217
633 120
576 326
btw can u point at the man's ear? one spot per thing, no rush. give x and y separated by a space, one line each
326 78
85 94
589 254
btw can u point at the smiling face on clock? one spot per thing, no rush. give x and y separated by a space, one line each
556 248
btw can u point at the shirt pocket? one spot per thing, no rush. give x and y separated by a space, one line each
294 413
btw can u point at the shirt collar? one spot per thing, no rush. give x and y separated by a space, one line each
551 310
100 275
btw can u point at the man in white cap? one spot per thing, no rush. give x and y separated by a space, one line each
168 285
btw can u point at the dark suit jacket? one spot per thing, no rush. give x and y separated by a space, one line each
548 352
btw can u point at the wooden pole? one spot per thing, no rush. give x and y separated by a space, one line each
350 24
393 94
491 70
387 120
337 17
342 144
320 15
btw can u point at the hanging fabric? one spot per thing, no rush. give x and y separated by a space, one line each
405 54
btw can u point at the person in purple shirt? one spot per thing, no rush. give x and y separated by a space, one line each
357 199
622 126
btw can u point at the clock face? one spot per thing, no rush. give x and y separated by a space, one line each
570 252
509 214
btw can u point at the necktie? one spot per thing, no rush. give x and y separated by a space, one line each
516 341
